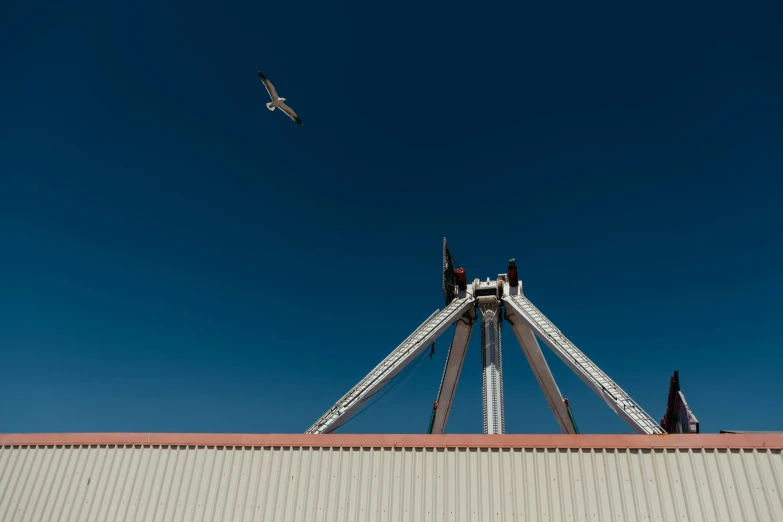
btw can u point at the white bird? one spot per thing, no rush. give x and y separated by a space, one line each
277 101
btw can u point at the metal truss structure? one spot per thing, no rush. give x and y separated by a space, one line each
495 300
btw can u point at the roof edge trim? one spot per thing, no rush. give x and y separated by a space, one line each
705 441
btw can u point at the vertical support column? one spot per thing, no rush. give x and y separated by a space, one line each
492 368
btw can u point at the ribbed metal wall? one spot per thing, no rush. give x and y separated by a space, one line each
100 483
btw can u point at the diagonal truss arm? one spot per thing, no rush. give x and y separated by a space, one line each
422 337
451 372
608 390
531 349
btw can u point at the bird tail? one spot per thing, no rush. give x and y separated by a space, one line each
270 106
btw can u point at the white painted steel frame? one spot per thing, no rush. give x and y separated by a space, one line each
420 339
527 322
619 401
452 370
535 357
492 368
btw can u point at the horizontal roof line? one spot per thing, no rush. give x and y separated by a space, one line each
744 431
710 441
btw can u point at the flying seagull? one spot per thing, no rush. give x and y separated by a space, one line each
276 100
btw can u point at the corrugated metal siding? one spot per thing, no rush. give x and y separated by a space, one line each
180 483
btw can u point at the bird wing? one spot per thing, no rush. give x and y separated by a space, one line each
269 87
291 114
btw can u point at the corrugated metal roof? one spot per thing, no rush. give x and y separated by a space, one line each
332 477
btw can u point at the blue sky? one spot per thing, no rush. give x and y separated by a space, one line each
177 258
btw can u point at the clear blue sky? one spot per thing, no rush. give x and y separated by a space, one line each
175 257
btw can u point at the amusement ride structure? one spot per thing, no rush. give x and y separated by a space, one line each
496 300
